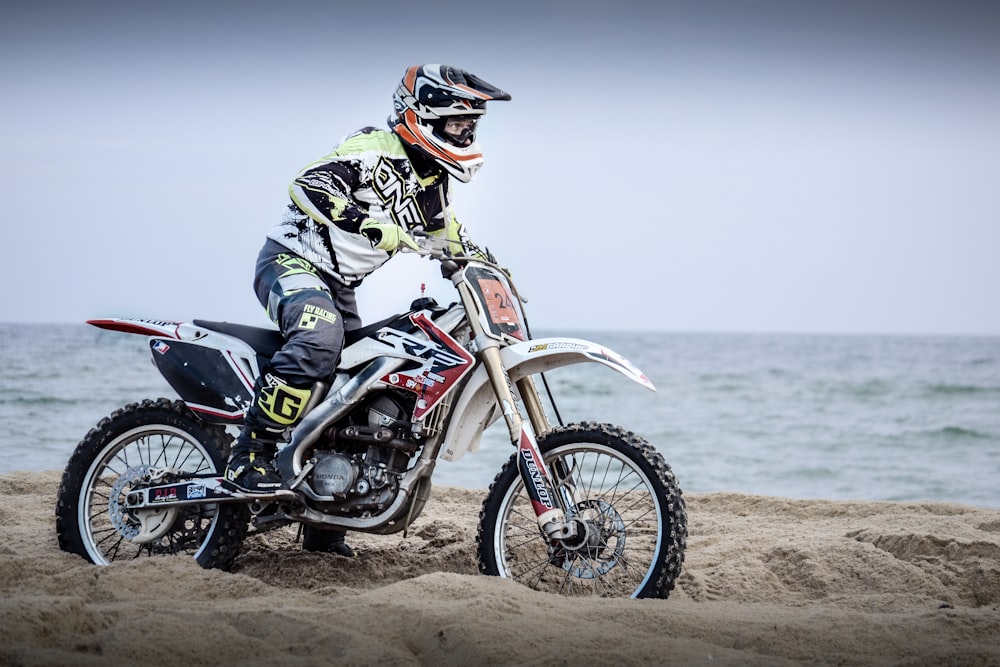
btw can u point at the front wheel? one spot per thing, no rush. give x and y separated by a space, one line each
623 498
126 451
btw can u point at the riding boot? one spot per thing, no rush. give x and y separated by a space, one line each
276 406
251 463
326 541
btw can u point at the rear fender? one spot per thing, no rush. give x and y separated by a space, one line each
476 407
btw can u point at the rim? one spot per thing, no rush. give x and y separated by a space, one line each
122 466
615 504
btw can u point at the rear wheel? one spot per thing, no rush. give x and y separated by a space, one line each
623 498
120 455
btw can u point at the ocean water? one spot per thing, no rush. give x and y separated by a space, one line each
907 418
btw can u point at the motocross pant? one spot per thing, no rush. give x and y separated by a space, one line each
313 313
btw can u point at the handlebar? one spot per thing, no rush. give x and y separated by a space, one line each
440 249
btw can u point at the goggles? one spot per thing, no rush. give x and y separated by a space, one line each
459 130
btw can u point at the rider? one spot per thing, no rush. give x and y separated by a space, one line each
349 214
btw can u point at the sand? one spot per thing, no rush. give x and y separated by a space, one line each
767 581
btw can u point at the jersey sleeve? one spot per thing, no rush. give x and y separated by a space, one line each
322 191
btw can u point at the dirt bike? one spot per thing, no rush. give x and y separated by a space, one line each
579 509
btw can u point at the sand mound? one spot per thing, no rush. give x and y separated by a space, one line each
767 581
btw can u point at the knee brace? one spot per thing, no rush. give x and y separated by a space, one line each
279 401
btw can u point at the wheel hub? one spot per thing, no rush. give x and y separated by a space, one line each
139 526
591 555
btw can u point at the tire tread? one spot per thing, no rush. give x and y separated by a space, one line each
232 528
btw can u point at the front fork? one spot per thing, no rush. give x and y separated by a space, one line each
538 480
535 474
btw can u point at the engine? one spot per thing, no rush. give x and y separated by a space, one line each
357 467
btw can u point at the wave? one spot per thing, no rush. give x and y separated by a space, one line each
959 432
42 401
946 389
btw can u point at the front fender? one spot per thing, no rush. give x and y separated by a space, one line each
476 406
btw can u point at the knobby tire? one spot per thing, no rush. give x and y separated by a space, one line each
91 519
616 483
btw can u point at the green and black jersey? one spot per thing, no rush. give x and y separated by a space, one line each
369 175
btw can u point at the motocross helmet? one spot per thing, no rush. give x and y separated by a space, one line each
437 110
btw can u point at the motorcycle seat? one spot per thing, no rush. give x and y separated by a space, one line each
264 341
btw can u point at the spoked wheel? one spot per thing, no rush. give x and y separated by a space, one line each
141 445
623 499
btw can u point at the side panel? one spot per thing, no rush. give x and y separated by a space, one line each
212 372
475 408
205 378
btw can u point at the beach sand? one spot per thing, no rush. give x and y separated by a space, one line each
766 581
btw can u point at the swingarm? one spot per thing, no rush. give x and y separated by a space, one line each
195 490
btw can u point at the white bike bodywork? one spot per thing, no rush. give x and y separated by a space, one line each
477 403
412 389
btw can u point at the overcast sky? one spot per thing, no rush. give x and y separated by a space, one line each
779 166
